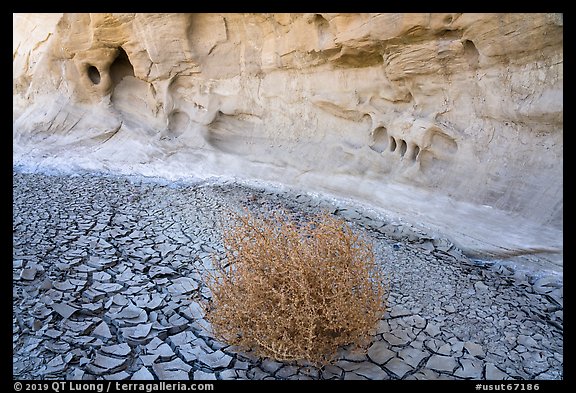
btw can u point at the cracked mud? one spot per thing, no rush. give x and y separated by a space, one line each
107 281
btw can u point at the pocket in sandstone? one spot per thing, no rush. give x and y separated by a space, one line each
121 67
236 134
178 123
136 103
379 139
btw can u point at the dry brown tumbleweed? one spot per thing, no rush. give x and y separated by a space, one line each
295 290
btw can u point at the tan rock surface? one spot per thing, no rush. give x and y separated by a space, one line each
451 121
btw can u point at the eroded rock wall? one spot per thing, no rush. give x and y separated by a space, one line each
454 121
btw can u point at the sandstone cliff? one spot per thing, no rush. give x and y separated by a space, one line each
452 121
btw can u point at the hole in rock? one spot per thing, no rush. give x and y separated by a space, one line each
319 19
178 122
121 67
392 144
93 74
379 139
415 152
403 147
444 143
471 53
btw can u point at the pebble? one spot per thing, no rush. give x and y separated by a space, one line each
109 287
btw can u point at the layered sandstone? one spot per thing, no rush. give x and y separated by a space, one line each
451 121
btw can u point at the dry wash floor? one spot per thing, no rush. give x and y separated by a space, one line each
107 272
